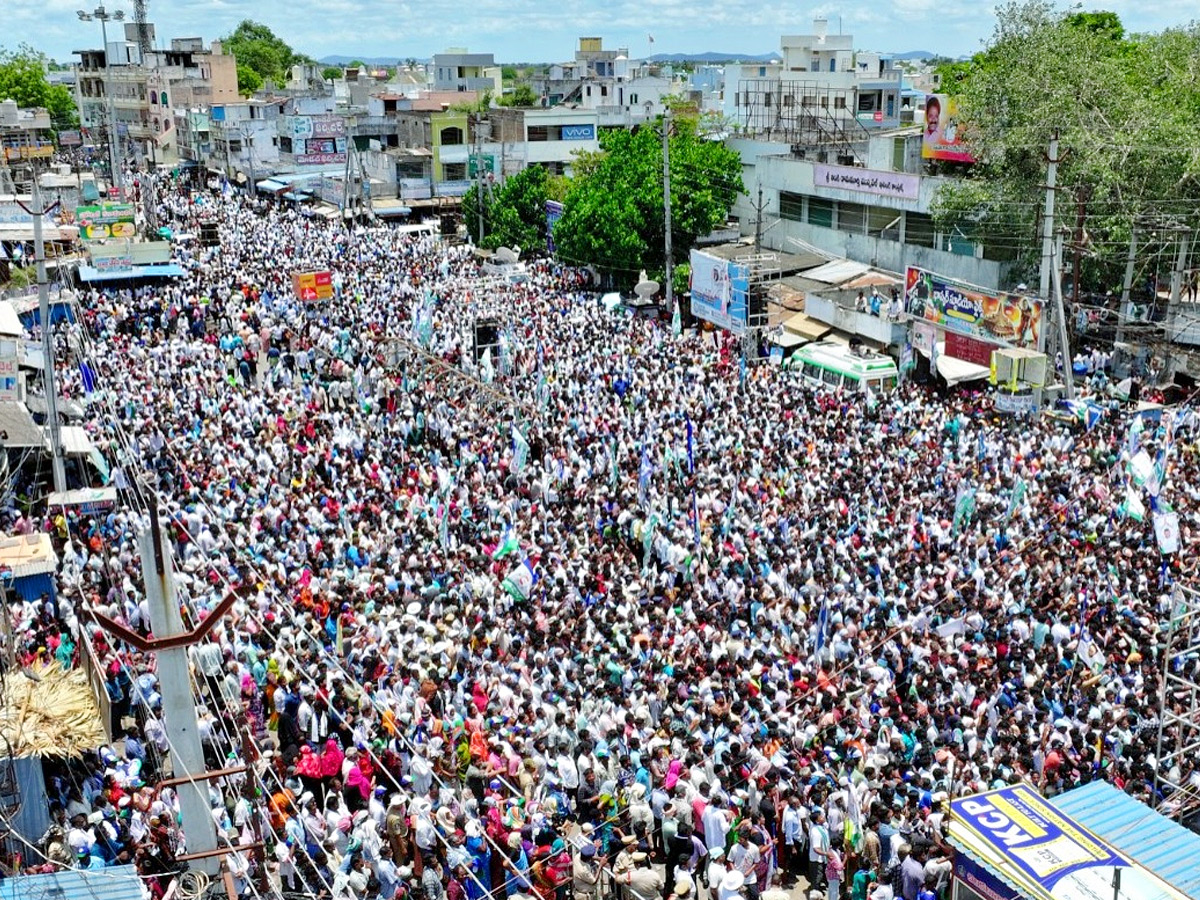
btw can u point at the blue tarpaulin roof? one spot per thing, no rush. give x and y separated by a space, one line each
112 883
163 270
1164 847
270 184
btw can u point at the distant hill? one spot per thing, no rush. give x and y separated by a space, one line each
913 54
369 60
713 56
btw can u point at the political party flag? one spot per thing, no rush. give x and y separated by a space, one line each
508 544
520 581
691 454
485 367
854 818
1016 498
88 375
1132 508
645 472
444 526
822 624
1141 468
614 474
676 321
520 451
964 508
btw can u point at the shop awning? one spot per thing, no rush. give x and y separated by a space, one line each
807 327
75 440
956 371
18 424
87 499
10 322
788 340
297 196
391 208
271 185
165 270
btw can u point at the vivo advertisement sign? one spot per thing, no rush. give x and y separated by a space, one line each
579 132
1023 838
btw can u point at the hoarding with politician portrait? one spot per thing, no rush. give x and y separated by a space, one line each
720 289
943 135
994 317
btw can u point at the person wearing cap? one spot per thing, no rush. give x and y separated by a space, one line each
586 872
731 885
715 871
642 881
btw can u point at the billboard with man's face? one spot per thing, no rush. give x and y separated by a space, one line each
942 138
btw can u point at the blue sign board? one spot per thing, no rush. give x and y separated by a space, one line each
579 132
1039 846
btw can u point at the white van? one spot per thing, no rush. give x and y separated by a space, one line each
835 365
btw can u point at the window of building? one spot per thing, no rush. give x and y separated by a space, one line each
883 222
919 230
452 136
866 103
839 102
852 217
789 100
791 206
538 133
820 212
455 171
833 64
825 102
164 98
767 100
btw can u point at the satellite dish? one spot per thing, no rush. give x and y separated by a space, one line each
506 255
646 289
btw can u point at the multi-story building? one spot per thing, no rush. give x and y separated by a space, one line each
24 133
245 138
147 92
460 71
821 95
621 91
520 138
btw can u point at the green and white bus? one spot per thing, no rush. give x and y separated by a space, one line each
835 365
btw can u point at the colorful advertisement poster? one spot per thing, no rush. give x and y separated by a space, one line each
554 211
312 285
997 318
942 137
720 290
868 181
106 220
1035 847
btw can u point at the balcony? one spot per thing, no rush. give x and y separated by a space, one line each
875 328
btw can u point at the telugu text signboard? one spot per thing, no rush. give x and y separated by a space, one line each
868 181
106 220
1006 319
720 290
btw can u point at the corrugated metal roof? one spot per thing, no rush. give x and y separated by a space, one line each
18 424
1167 849
836 272
114 883
28 554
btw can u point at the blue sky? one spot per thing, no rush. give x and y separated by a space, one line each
538 30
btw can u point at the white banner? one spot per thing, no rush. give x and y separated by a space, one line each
868 181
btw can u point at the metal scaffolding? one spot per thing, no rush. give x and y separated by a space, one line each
809 115
1178 747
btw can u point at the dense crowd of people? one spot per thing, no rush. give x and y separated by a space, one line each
597 611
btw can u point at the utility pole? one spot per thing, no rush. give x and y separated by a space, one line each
103 15
48 380
1081 196
667 276
1180 264
1060 312
758 216
1127 285
178 703
478 178
1052 162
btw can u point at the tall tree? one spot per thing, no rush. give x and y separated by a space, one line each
23 78
1126 110
260 50
613 215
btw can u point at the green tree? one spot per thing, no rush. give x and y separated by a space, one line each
331 73
613 215
522 95
1127 113
23 78
258 48
249 80
517 218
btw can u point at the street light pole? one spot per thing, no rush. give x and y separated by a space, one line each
103 16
